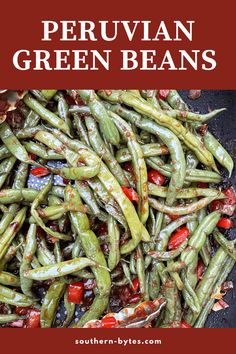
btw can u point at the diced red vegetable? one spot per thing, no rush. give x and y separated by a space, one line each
76 292
231 196
22 311
134 299
39 172
200 269
178 237
202 185
163 94
184 324
130 193
33 319
156 177
225 223
136 285
108 322
216 205
125 295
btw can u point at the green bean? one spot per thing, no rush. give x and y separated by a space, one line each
45 114
99 112
93 251
4 152
78 173
50 303
5 168
217 150
168 255
48 94
14 298
21 176
228 266
29 251
126 272
138 162
87 196
70 310
181 210
149 150
81 130
40 151
185 193
101 149
12 143
228 246
187 116
9 279
141 272
154 282
11 231
59 269
114 240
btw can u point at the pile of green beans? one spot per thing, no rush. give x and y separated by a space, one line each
94 186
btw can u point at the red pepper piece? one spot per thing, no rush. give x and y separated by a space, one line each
109 322
225 223
200 269
22 311
216 205
178 237
76 292
135 286
39 172
130 194
33 319
163 94
184 324
156 177
231 196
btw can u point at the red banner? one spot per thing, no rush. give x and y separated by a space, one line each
136 341
156 45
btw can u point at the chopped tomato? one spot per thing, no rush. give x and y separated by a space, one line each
76 292
178 237
109 322
130 194
136 284
163 94
216 205
33 319
225 223
231 196
156 177
39 172
200 269
22 311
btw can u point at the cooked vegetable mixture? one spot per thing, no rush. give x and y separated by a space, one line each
125 224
